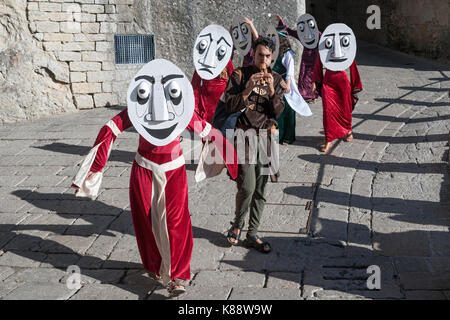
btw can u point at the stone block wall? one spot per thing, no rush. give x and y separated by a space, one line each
80 33
58 55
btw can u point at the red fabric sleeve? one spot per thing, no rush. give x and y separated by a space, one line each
197 124
196 84
106 135
318 72
230 68
355 79
224 147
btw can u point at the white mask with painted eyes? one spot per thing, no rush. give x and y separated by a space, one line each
202 45
174 89
307 31
337 47
160 102
222 51
301 26
273 34
241 35
143 90
212 51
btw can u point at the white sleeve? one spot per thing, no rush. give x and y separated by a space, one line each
293 98
288 63
88 188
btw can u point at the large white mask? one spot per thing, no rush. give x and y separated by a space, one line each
307 31
337 47
241 35
273 35
212 51
160 102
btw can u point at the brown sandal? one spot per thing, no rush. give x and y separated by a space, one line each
175 288
233 238
252 241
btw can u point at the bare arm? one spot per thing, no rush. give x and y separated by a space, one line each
252 28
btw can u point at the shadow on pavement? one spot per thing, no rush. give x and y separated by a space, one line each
116 155
69 206
309 262
135 282
397 119
374 166
413 102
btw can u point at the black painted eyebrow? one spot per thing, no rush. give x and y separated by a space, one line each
222 38
170 77
340 33
205 35
148 78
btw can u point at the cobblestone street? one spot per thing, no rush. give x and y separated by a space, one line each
383 200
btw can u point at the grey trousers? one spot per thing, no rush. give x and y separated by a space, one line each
251 184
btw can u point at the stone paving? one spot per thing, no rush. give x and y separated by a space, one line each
383 200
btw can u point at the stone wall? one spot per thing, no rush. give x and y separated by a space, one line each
32 81
412 26
58 55
81 34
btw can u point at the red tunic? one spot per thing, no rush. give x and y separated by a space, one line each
207 93
337 98
164 237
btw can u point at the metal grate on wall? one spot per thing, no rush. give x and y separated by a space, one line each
134 49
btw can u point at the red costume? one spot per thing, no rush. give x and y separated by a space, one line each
337 98
158 194
208 92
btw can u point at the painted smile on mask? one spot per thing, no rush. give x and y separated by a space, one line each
310 42
161 133
244 47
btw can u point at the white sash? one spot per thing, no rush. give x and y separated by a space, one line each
158 209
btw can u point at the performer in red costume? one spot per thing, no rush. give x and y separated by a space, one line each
208 92
160 106
338 93
213 66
